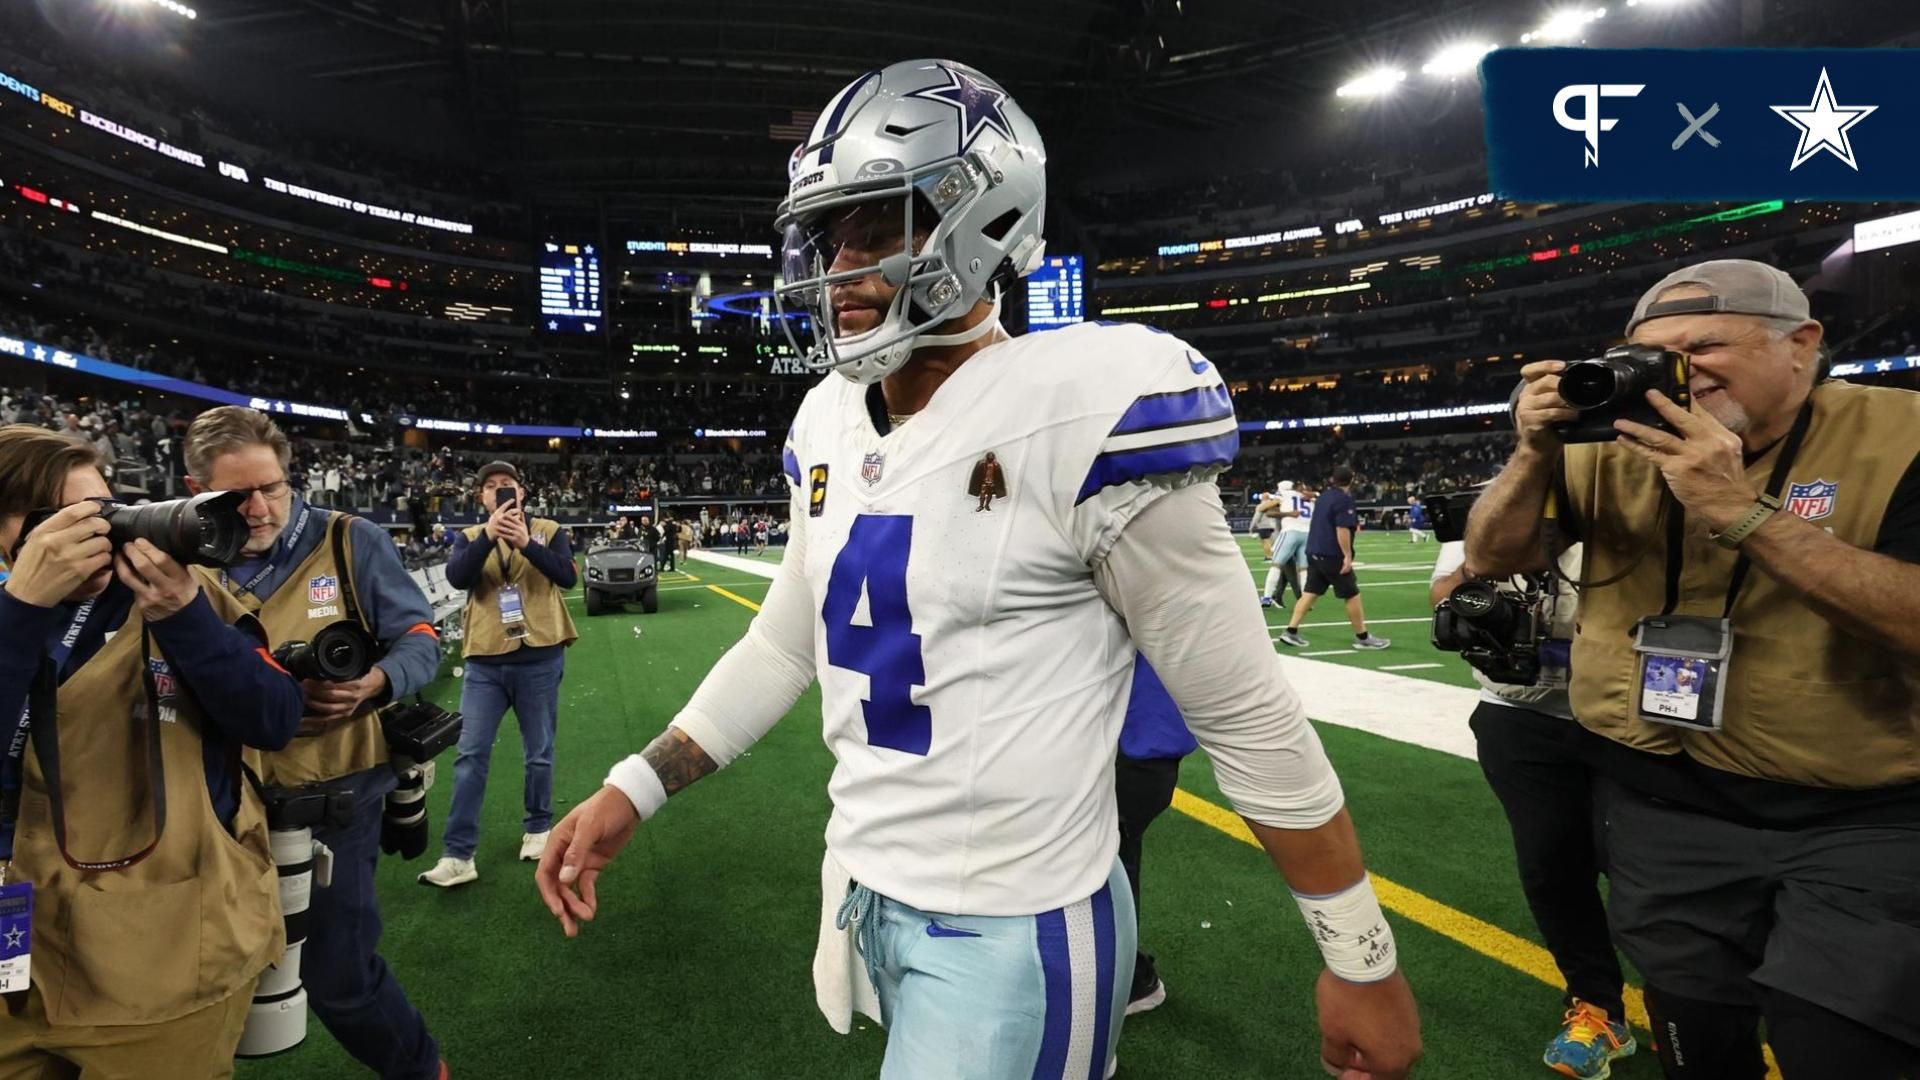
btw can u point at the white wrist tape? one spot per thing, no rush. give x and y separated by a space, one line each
1352 932
640 784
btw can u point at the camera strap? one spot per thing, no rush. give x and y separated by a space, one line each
55 658
47 750
1676 520
337 537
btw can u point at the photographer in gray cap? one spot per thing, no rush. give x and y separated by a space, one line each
1763 815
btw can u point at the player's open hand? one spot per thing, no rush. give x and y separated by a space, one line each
584 842
1368 1031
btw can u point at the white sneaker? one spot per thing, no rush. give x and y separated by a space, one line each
449 872
532 846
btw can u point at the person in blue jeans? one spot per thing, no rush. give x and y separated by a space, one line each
516 571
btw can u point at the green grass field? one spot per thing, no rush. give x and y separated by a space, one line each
699 963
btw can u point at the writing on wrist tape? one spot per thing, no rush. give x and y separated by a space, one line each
1352 932
640 784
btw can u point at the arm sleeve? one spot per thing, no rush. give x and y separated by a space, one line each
466 562
259 703
1207 641
757 681
393 604
554 559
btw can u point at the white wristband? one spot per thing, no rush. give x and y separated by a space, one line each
640 784
1352 932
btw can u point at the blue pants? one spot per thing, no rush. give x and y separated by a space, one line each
532 691
1031 997
349 986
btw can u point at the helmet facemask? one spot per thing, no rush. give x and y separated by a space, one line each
929 290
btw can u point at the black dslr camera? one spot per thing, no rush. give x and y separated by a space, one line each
340 652
1499 632
1614 385
207 529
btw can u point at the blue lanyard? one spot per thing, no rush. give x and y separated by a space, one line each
293 541
58 653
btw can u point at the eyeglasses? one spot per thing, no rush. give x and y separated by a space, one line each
276 490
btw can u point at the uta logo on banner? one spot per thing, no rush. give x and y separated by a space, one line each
1811 501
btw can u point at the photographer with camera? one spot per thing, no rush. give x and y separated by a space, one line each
516 571
1517 634
138 899
1763 819
337 581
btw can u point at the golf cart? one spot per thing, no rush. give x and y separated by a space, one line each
618 571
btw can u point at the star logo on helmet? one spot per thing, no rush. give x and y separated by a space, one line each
979 104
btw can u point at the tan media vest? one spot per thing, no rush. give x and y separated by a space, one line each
548 622
190 925
343 747
1807 702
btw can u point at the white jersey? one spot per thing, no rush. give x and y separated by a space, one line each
973 681
1302 509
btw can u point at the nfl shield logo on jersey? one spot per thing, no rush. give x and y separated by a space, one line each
870 467
1811 501
322 589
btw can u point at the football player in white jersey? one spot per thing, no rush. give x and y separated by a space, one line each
1287 557
974 666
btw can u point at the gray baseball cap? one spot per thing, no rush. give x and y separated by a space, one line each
493 467
1734 287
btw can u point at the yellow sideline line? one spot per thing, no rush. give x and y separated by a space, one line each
1478 935
741 600
1482 937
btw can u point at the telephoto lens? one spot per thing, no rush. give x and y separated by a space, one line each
403 829
207 529
340 652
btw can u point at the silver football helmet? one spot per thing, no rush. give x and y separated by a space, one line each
941 141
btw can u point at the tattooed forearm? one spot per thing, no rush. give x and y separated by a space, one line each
677 759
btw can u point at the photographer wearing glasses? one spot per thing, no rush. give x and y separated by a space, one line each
1747 639
139 901
305 570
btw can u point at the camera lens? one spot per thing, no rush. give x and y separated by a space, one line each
207 529
1592 384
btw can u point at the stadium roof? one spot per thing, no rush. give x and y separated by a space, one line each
688 108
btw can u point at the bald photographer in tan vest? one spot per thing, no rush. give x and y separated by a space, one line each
1763 813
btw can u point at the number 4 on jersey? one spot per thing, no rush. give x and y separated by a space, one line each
887 652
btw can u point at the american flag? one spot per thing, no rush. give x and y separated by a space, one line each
794 129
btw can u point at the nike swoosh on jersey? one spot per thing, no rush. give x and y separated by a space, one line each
934 929
1196 364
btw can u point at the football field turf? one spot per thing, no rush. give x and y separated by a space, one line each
699 962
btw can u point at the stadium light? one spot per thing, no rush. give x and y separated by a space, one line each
1456 59
1375 83
179 9
1565 25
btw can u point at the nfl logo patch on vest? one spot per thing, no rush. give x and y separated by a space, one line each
163 684
1811 501
870 467
322 589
